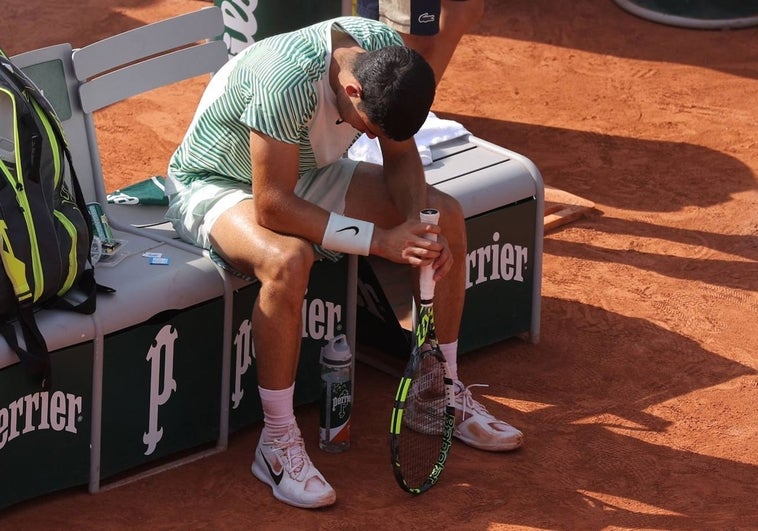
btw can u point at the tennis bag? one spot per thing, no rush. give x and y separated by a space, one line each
45 230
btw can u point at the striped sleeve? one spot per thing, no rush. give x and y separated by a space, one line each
281 100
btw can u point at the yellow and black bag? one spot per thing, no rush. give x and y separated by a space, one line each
45 230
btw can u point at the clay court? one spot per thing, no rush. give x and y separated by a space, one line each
640 401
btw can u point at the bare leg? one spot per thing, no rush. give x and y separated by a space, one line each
450 291
282 264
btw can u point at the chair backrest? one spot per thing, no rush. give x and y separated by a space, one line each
149 57
80 82
137 61
52 71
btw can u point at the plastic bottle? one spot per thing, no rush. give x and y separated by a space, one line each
336 395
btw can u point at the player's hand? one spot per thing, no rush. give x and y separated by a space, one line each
444 261
406 244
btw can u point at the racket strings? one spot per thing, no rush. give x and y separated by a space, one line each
423 421
426 400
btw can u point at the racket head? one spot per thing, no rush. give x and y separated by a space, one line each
423 418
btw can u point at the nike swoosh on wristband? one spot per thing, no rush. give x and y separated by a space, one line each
276 477
355 229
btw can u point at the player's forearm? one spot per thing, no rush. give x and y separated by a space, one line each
286 213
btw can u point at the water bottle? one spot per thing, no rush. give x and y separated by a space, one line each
336 395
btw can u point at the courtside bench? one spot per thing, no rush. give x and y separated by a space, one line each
165 365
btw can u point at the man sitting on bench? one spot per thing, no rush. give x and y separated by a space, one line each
259 178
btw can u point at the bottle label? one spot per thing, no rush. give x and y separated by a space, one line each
336 403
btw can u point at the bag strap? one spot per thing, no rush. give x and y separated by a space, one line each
35 358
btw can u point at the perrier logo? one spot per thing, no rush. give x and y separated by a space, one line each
341 400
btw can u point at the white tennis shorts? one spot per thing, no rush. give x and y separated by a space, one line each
193 209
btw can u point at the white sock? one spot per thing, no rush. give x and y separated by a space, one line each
278 412
450 351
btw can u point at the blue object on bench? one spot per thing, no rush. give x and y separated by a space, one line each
123 331
158 352
162 367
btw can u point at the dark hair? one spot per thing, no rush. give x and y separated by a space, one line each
397 89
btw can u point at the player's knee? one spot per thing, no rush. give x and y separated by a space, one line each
452 220
450 209
289 264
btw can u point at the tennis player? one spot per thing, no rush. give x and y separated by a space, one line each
260 180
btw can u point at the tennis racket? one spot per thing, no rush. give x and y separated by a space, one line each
423 415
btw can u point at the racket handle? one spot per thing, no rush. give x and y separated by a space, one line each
426 274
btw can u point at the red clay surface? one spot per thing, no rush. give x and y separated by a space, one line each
639 403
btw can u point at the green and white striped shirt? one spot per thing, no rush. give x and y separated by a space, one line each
279 87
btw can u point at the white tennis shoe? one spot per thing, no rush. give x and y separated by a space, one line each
475 426
284 466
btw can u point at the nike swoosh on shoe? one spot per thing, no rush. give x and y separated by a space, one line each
276 477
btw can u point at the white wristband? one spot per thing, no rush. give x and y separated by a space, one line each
348 235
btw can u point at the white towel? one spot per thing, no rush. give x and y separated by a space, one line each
434 131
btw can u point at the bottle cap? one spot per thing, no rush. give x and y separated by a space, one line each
336 351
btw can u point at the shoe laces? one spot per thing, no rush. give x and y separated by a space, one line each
467 401
292 454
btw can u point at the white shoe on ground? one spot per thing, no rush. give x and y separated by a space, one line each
475 426
284 465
